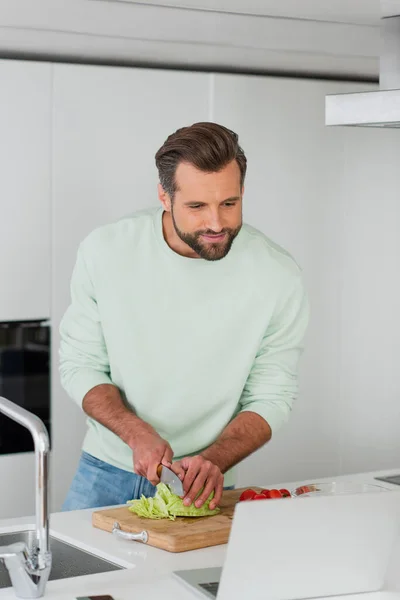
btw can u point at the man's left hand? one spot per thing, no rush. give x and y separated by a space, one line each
200 473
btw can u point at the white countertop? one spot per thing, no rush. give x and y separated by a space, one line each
148 572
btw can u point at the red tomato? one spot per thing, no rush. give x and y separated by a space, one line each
285 493
275 494
259 497
265 493
247 495
304 489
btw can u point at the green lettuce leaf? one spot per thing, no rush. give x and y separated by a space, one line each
166 505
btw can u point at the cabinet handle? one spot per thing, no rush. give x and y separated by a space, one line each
124 535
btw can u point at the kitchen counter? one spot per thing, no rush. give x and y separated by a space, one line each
148 572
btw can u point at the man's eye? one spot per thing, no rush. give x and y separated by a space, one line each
230 203
195 206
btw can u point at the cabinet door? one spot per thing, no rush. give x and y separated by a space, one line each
25 118
108 124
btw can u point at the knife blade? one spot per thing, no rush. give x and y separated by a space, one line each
171 480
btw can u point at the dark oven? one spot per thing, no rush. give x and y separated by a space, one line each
24 378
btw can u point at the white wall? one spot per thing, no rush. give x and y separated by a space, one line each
108 124
369 374
294 195
328 195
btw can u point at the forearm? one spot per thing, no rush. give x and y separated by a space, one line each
243 436
104 404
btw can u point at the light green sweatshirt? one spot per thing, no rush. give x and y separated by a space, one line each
190 343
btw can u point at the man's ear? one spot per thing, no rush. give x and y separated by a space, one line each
164 198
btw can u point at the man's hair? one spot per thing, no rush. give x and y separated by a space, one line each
207 146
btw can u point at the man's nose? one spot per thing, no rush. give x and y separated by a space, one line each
214 222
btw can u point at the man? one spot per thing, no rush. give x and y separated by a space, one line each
184 332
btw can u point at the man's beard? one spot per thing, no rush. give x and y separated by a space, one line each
208 251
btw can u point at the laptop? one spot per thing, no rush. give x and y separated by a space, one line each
293 548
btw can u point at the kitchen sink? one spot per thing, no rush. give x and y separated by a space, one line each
67 560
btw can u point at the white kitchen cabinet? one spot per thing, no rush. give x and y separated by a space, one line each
25 120
17 474
108 124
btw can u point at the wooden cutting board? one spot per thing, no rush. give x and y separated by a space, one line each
185 533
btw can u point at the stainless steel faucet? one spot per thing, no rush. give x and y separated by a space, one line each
29 568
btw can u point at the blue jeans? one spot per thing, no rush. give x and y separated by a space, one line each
97 484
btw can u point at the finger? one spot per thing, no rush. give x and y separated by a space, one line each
186 462
168 456
191 471
197 485
153 460
219 489
153 478
177 468
208 488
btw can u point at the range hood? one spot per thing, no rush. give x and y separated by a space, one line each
373 109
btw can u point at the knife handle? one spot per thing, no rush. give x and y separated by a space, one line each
159 469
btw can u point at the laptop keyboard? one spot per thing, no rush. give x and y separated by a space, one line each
210 587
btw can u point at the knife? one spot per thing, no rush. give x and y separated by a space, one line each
171 480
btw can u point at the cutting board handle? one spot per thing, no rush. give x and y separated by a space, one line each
143 536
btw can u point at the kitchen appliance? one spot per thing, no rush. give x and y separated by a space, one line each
24 379
379 108
185 533
314 547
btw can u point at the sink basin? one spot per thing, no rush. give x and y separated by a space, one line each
68 561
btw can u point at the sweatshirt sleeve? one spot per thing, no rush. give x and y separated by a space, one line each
272 385
83 353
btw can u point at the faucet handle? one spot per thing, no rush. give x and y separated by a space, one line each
18 553
13 550
27 580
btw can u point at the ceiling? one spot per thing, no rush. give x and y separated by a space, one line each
328 38
361 12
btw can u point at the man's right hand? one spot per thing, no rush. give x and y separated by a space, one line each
150 450
104 404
